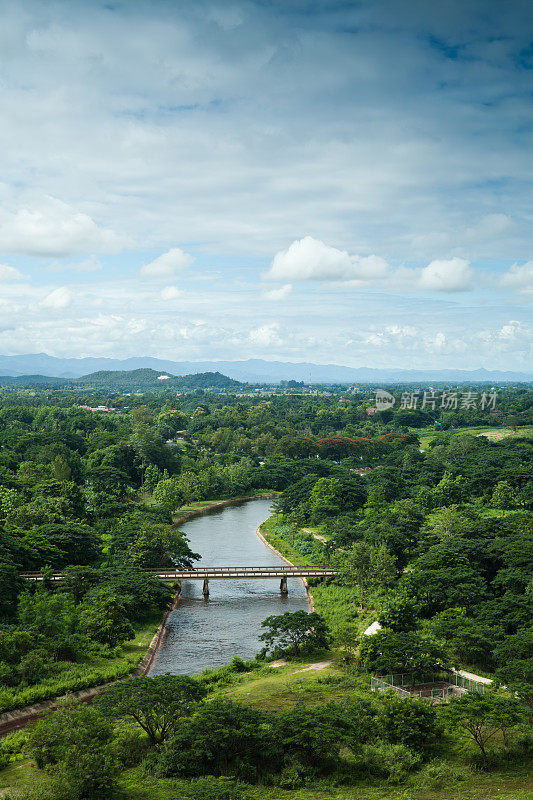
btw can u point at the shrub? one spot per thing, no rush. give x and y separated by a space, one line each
390 761
130 747
441 775
409 722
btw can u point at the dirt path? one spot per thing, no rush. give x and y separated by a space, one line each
315 535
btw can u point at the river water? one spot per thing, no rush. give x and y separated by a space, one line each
208 633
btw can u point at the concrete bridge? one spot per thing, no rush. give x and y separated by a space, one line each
206 574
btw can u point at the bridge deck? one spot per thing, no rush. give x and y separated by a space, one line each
218 573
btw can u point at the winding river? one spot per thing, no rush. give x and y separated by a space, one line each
208 633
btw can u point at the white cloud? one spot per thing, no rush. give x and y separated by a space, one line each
520 277
53 228
166 265
58 299
265 335
10 273
453 275
310 259
278 294
170 293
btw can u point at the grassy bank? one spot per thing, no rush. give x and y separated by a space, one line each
92 672
337 604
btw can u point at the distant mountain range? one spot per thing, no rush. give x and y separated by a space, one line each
250 371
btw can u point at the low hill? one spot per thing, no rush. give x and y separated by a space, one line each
145 379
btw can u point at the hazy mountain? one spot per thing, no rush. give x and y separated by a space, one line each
251 370
136 380
145 378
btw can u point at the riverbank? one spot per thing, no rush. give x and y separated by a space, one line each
87 687
310 600
337 604
207 506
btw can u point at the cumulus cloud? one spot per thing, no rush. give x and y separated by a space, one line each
8 273
520 277
310 259
170 293
280 293
453 275
53 228
265 335
167 264
58 299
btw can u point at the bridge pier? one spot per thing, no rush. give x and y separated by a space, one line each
206 588
283 586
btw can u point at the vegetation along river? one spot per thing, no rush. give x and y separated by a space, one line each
208 633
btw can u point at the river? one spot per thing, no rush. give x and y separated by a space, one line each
208 633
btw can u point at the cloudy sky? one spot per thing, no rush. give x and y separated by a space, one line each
341 182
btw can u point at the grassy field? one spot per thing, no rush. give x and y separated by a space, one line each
493 434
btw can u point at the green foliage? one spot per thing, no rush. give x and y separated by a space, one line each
293 633
400 614
390 761
387 652
156 704
408 722
488 719
72 743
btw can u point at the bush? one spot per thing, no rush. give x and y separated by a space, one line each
409 722
441 775
390 761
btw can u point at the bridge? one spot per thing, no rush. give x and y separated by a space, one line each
206 574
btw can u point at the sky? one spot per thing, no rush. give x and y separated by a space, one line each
336 182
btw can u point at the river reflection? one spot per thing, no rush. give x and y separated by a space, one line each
208 633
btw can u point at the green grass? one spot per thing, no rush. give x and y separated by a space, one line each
505 431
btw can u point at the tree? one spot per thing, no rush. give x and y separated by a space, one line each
367 566
168 494
73 744
400 614
408 722
294 631
483 718
157 704
387 652
504 496
102 617
222 738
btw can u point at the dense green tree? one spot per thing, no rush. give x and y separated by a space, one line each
159 705
485 720
294 632
73 744
387 652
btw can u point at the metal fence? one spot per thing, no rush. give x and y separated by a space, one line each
435 686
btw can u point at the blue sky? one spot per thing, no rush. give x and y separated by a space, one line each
336 182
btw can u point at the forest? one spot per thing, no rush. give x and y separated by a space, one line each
426 514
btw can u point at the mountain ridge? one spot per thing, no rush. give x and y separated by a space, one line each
249 370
